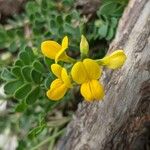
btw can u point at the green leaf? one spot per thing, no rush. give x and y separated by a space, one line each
23 91
118 11
67 2
21 144
12 86
25 58
30 53
3 34
36 131
13 47
53 25
59 20
16 70
7 75
32 7
21 106
19 63
102 31
48 61
114 22
110 33
68 18
44 4
69 29
26 72
123 2
48 80
20 32
107 9
38 67
33 95
36 76
60 31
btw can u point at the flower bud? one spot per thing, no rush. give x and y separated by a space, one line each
84 46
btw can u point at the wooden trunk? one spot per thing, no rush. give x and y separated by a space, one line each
122 120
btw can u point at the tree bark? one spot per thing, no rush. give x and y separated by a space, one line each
122 120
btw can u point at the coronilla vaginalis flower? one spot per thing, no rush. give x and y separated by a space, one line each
53 50
85 72
59 86
114 60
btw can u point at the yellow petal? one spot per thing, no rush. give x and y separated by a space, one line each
92 68
65 42
57 90
61 55
97 89
79 73
92 90
86 91
56 69
50 49
56 83
65 78
114 60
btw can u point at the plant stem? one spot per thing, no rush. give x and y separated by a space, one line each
51 145
58 122
48 139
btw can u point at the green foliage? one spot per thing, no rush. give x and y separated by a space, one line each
108 16
21 106
28 78
35 131
24 80
41 21
46 19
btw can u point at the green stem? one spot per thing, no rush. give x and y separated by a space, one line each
72 60
51 145
99 61
83 56
59 122
47 140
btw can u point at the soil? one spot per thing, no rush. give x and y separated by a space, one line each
10 7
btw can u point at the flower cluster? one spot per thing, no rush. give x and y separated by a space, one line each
85 72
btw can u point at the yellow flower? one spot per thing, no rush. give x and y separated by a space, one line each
53 50
59 86
87 74
114 60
